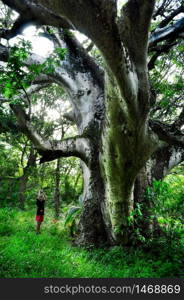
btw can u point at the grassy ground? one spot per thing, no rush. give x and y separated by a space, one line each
51 254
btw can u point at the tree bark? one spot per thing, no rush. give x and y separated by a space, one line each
146 221
57 194
164 159
126 146
92 228
23 180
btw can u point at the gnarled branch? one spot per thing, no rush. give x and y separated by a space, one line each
30 12
167 133
166 158
135 21
171 16
50 150
168 32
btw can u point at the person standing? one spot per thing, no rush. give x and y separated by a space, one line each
40 203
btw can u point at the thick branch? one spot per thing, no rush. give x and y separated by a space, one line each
16 29
180 121
88 17
159 50
77 73
170 17
161 8
87 64
74 146
167 133
135 22
60 75
50 150
165 159
90 47
27 129
30 12
169 32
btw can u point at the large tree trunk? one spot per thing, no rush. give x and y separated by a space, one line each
92 226
119 153
126 146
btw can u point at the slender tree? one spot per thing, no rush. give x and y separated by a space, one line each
57 194
23 180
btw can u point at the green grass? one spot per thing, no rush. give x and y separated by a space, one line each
23 254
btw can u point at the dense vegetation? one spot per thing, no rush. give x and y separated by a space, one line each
98 125
51 254
54 253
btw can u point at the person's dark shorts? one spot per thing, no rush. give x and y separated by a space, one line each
39 218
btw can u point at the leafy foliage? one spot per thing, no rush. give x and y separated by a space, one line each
168 85
18 75
15 78
72 217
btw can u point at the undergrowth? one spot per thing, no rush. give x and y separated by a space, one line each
23 254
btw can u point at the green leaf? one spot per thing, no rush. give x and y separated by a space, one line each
71 215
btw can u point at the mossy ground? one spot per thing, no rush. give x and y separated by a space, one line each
23 254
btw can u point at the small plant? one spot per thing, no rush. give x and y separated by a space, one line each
72 219
135 215
72 216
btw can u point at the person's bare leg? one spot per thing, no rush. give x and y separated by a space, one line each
38 227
